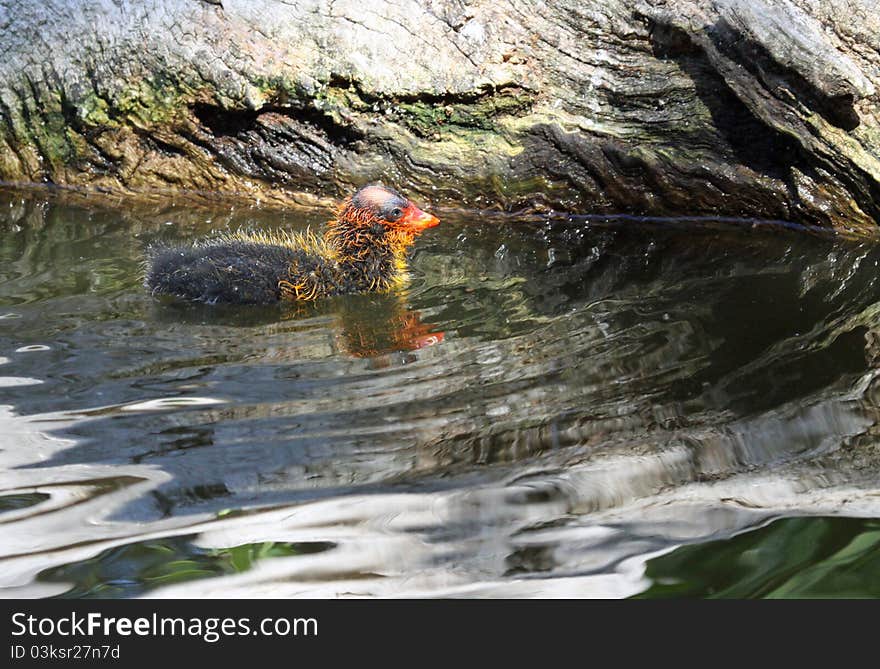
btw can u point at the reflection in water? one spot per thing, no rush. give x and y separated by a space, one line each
133 569
21 501
365 325
553 407
383 324
794 557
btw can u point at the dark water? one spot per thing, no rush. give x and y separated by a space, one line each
555 407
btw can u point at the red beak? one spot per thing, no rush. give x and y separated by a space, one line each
416 220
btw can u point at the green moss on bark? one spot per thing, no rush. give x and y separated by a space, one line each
435 118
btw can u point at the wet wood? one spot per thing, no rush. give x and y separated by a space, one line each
765 108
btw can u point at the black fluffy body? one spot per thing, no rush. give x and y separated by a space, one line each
229 271
248 272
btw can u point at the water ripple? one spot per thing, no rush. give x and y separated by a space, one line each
555 407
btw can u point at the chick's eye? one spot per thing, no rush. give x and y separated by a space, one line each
395 213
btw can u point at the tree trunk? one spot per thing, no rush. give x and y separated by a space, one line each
764 108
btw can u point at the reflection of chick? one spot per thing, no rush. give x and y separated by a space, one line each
385 327
363 250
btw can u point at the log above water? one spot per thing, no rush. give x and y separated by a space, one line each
755 108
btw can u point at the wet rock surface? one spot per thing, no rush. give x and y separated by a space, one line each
723 107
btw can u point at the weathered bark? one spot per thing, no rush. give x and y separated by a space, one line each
737 107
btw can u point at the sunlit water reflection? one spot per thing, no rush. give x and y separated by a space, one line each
555 407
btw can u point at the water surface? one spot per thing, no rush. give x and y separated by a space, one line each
556 406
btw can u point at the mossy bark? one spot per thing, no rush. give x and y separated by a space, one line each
722 107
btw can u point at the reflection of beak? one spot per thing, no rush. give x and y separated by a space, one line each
427 340
416 220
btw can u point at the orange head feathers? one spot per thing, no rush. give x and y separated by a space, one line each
376 203
376 217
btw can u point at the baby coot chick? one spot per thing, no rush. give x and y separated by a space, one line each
362 250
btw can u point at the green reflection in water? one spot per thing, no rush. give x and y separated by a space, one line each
131 570
21 501
790 558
